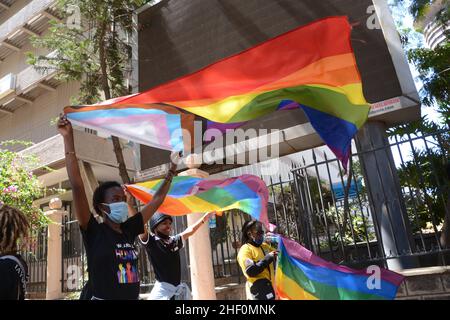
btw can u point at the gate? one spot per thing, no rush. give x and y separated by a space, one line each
74 262
35 255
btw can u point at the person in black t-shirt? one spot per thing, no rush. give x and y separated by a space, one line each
111 255
163 251
13 269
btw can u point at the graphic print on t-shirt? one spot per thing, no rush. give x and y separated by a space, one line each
127 263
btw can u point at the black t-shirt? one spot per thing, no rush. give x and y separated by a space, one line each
113 259
165 258
13 278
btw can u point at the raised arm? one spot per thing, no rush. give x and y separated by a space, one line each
192 229
158 198
132 211
73 170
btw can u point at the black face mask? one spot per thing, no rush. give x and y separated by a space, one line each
162 236
258 241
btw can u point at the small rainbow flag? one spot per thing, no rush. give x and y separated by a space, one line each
301 275
247 193
159 126
312 67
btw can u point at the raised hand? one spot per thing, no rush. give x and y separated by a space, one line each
129 197
175 159
64 126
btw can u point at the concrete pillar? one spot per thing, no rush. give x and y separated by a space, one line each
385 196
54 252
200 256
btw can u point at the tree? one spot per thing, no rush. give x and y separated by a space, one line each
434 72
19 187
432 64
94 51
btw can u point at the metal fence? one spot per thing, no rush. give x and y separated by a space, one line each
225 238
74 262
35 255
310 207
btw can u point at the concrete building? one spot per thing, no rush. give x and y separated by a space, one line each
29 100
433 31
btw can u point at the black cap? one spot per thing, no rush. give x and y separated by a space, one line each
157 218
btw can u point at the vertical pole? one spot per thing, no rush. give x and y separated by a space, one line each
54 254
200 256
385 196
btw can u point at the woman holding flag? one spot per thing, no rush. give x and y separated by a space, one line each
111 255
256 259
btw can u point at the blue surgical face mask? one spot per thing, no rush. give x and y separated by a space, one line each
118 211
258 240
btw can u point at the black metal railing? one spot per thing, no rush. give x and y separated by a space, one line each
225 239
309 206
74 262
35 256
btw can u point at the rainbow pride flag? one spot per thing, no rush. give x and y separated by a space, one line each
159 126
300 275
312 67
247 193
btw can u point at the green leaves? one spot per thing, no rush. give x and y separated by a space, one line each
18 186
77 56
433 66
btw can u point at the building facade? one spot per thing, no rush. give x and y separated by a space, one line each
434 32
29 101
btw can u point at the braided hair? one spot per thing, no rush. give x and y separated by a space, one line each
13 226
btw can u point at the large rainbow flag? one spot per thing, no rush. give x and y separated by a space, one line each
190 195
300 275
312 67
156 125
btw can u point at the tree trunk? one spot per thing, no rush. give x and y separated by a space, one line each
107 91
120 160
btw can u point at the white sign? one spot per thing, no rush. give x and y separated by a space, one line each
7 85
385 106
152 173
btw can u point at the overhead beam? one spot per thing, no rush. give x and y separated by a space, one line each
10 46
30 31
6 111
51 16
4 6
46 87
23 99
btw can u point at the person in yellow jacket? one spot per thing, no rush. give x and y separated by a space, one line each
256 259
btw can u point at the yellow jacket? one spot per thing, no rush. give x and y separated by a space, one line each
248 255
